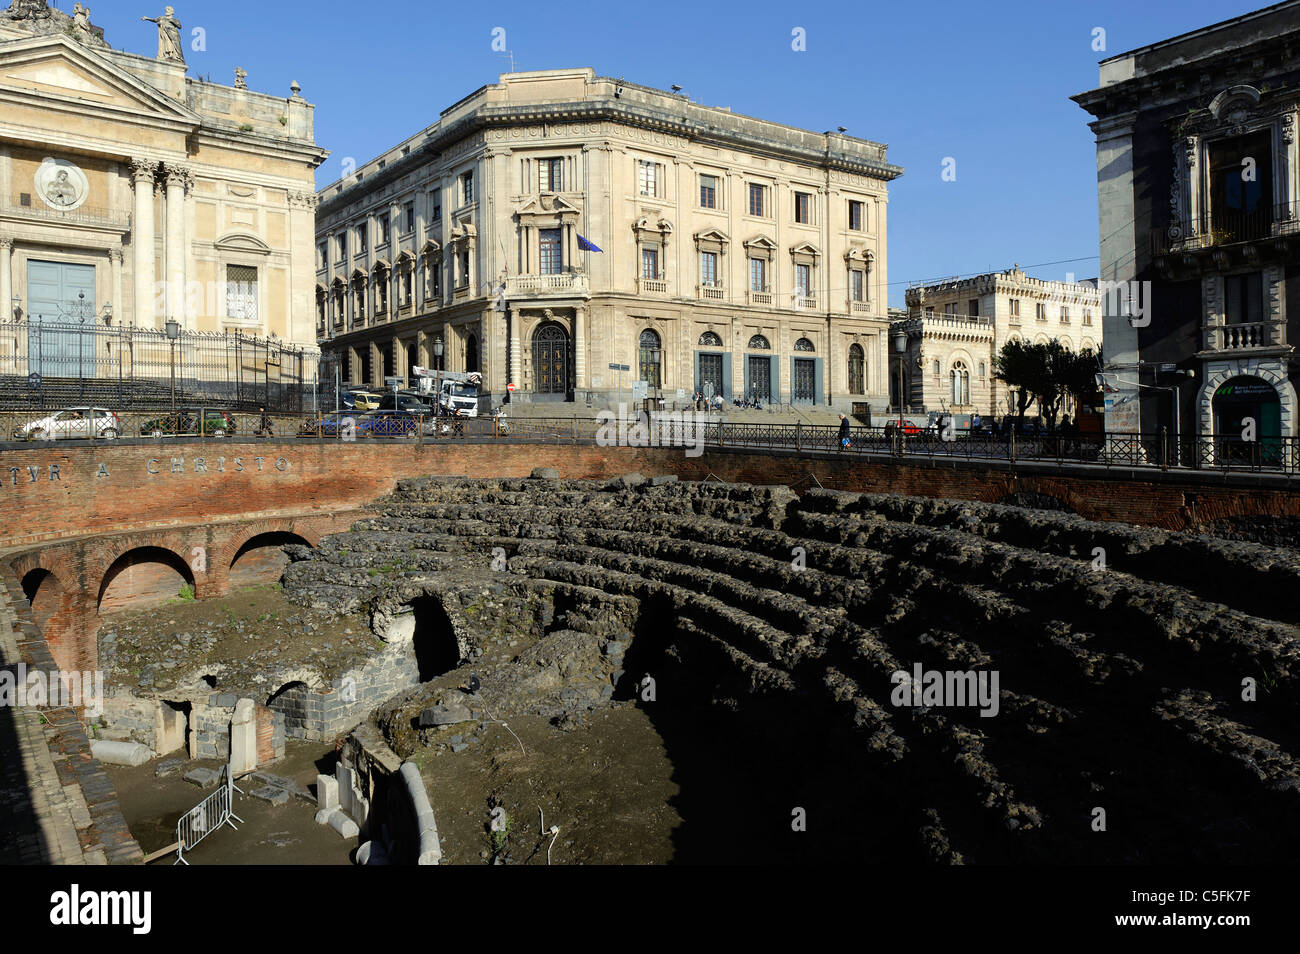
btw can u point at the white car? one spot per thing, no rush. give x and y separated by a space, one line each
70 424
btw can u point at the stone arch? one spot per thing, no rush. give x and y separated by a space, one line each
142 576
1217 375
261 559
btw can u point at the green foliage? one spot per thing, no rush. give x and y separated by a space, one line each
186 592
1045 373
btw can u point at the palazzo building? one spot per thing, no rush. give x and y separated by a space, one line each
956 328
1198 181
131 194
555 224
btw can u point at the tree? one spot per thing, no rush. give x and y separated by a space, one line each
1015 366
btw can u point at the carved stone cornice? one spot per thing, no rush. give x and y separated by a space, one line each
303 200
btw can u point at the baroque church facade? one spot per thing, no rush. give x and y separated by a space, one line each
133 195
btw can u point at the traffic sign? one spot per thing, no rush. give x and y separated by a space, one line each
33 380
510 386
619 367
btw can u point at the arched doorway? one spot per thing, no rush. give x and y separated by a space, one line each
262 559
1248 420
551 360
651 359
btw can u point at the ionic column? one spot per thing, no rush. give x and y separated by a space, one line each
579 348
178 179
6 278
142 241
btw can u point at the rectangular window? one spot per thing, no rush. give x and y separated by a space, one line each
950 309
462 266
757 199
973 307
758 274
466 188
708 192
322 252
1015 307
803 280
550 175
1243 298
409 211
855 215
383 230
437 210
649 263
1087 317
362 238
857 285
551 257
709 268
241 292
803 208
1065 315
1040 312
341 246
648 177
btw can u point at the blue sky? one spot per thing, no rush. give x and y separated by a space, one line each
984 83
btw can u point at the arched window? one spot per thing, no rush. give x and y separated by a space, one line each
959 378
803 344
651 357
759 343
857 370
710 340
471 353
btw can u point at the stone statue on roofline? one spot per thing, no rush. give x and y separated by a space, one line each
28 10
169 36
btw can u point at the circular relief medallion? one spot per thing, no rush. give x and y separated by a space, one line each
61 185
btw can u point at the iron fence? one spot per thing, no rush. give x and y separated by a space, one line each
1157 451
91 361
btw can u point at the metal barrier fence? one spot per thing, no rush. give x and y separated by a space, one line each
210 814
125 366
1279 455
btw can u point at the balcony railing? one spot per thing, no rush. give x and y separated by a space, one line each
84 216
804 303
561 285
1211 229
860 307
1254 334
713 292
652 286
760 298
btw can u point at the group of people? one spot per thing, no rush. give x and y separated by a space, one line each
703 403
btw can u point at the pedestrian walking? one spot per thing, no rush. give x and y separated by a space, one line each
265 426
844 431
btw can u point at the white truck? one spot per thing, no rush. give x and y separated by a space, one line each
456 391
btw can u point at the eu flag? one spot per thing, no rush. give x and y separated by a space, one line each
586 245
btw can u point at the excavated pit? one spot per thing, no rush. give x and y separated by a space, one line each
771 626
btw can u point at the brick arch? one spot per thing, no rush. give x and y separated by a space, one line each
260 558
45 593
146 589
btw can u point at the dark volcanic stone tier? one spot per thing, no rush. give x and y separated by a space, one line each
774 625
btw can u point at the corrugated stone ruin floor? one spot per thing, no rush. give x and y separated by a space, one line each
771 626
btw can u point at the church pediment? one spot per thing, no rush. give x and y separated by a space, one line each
64 74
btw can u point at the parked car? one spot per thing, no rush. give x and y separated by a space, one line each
388 424
328 425
71 423
404 402
365 400
208 421
909 429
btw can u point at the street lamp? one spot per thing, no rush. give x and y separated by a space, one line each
900 348
437 352
173 332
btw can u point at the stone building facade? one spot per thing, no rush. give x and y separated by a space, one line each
131 194
1198 179
735 254
956 328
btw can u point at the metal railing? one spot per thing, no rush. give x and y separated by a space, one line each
1156 451
1211 228
210 814
126 366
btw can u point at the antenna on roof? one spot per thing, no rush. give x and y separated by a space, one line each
511 54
